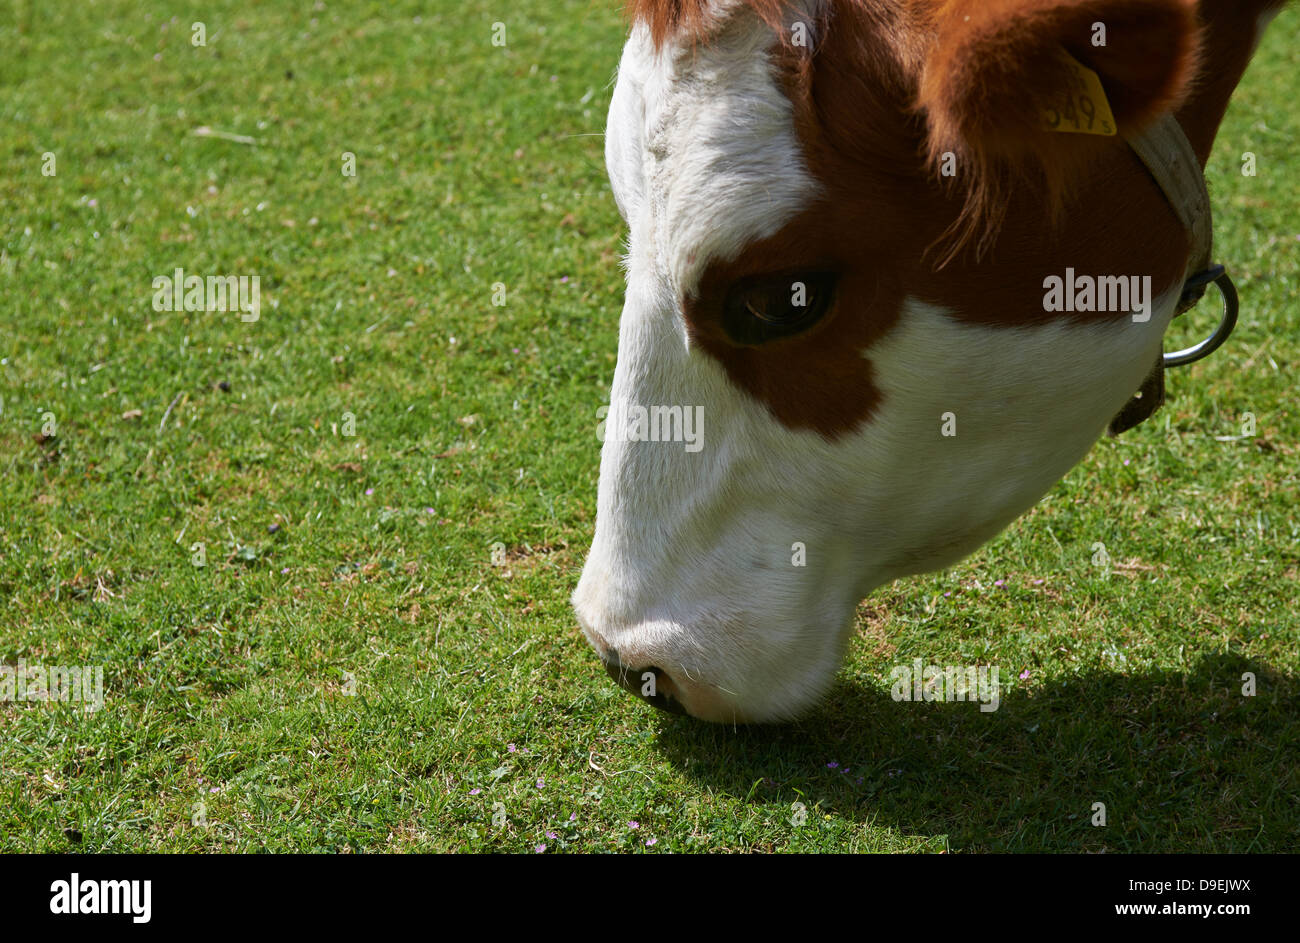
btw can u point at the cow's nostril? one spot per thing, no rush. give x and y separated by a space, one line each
650 684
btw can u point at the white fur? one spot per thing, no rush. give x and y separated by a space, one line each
690 569
706 136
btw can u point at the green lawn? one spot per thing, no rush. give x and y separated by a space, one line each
351 671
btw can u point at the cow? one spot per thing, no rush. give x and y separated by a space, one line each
857 231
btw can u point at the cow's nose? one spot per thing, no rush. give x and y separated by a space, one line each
650 684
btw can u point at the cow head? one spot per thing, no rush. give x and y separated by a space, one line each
841 217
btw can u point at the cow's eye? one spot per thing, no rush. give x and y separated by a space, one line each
769 307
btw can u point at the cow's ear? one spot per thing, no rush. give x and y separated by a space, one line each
998 71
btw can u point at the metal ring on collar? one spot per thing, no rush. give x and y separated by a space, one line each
1217 275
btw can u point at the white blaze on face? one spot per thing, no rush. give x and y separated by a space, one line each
692 569
703 160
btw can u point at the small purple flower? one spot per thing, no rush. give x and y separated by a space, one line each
832 765
514 350
1038 582
949 593
573 816
475 791
564 279
552 836
999 582
370 491
634 824
650 841
511 747
284 571
541 783
1024 674
429 511
1126 461
540 848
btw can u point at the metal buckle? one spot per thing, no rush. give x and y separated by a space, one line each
1192 292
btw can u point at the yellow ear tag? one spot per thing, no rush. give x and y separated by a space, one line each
1081 107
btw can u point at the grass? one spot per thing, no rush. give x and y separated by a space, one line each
351 671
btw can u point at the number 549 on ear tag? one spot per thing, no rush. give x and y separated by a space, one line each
1082 107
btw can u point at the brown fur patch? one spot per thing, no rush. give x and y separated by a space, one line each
690 18
994 67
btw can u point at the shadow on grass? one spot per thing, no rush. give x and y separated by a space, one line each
1182 762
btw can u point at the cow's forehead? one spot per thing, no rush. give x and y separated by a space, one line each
708 150
719 165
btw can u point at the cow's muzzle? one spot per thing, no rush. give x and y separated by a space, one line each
650 684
